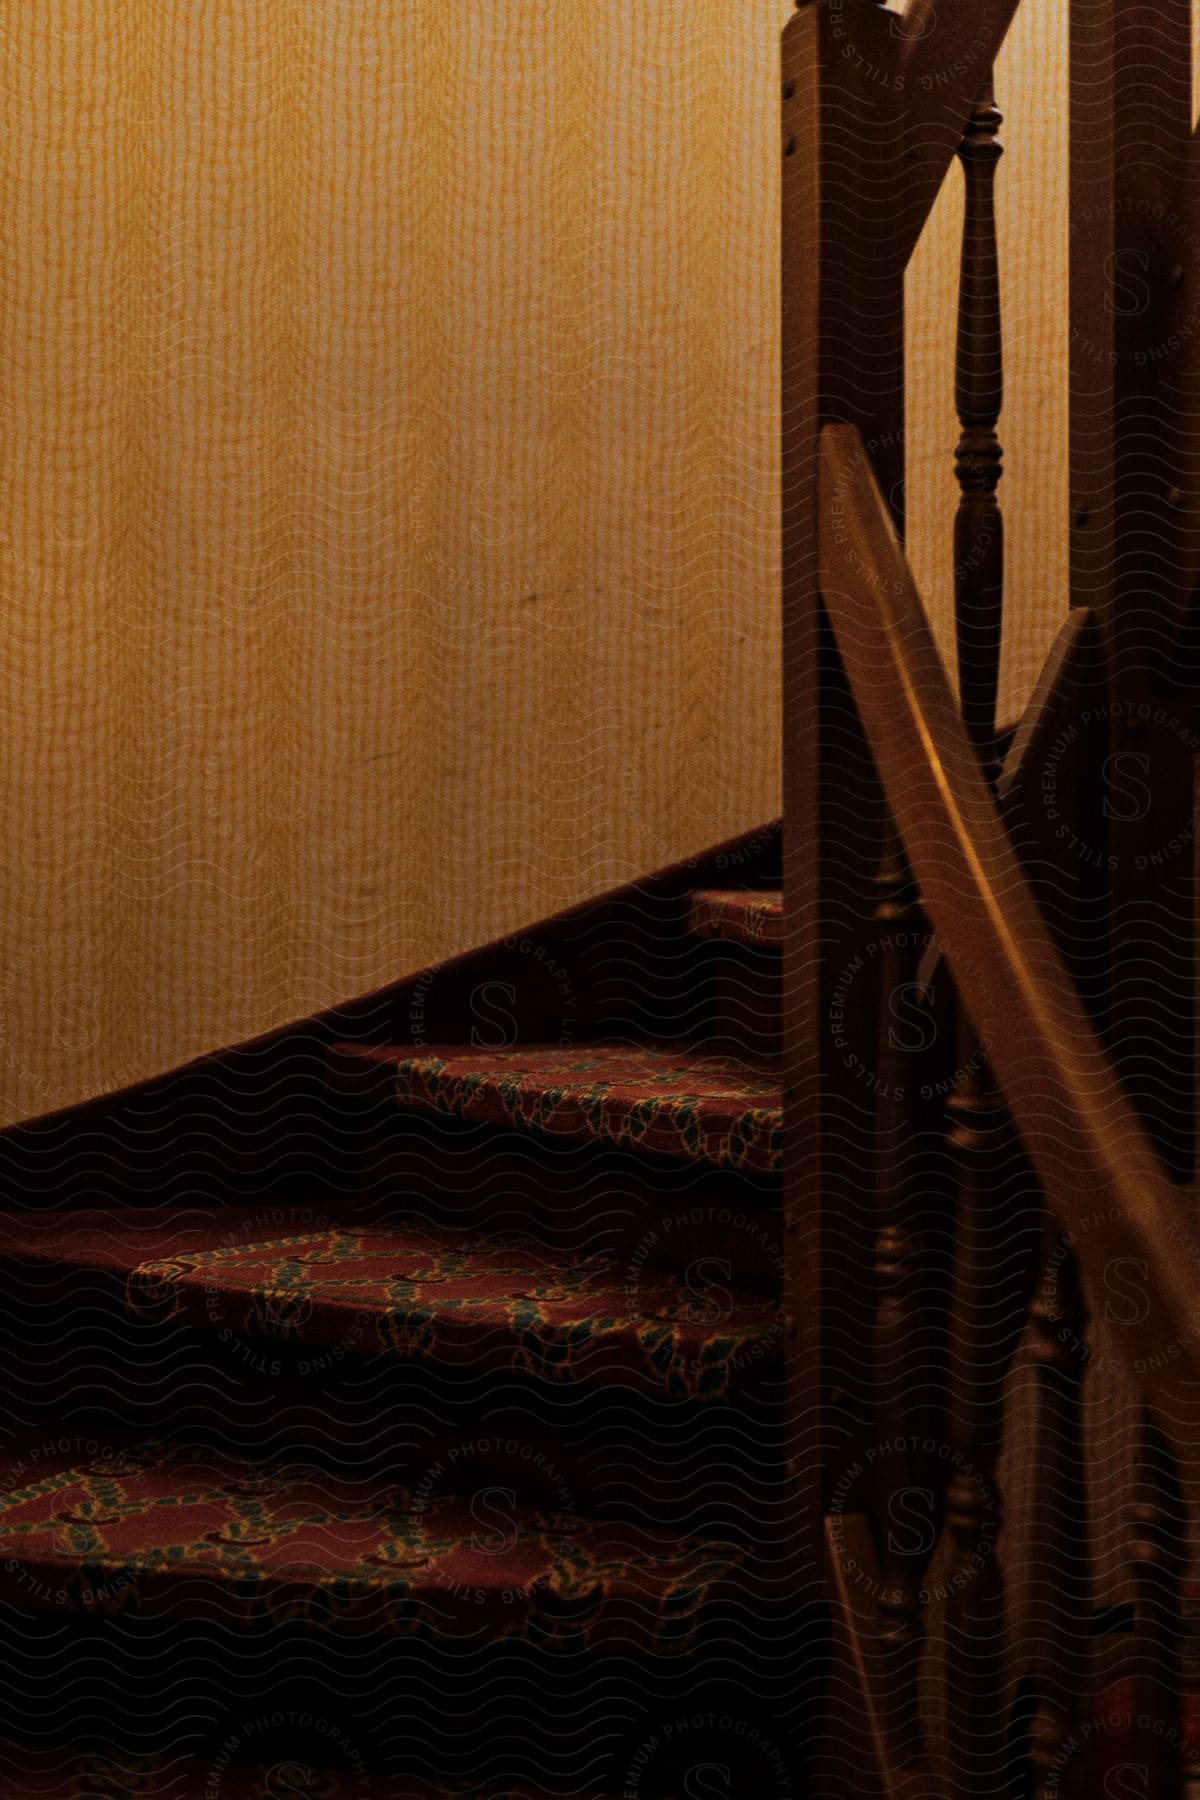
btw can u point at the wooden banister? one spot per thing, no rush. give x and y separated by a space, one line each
972 1202
1098 1168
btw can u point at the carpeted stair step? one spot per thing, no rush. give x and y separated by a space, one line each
665 1100
452 1298
690 1468
291 1775
430 1455
739 915
168 1532
600 1448
575 1195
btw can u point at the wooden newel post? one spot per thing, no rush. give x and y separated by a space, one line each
979 396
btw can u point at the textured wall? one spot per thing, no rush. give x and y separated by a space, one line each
387 549
388 486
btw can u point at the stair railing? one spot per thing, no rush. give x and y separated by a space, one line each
984 1152
1113 1204
1089 1149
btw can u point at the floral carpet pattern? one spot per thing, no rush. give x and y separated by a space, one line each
657 1098
744 918
493 1416
293 1777
488 1303
199 1534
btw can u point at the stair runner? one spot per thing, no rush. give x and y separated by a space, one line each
414 1292
200 1533
287 1778
163 1529
662 1100
178 1534
746 916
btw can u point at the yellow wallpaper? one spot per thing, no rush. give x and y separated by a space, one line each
388 492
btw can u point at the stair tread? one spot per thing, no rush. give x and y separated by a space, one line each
664 1099
69 1775
414 1290
744 915
181 1532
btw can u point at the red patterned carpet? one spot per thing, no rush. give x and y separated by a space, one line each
745 918
158 1529
661 1099
656 1292
631 1337
446 1297
219 1778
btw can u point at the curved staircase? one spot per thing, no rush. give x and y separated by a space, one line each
422 1436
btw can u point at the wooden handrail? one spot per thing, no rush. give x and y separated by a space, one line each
1099 1170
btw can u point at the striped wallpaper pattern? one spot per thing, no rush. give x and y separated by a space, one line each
388 486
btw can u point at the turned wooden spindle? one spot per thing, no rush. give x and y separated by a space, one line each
987 1317
904 1484
1060 1629
979 396
1157 1530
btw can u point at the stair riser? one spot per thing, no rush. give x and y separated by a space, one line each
512 1722
747 1000
593 1450
638 1211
